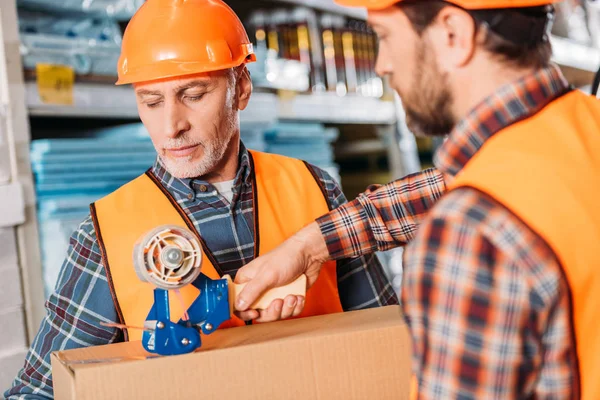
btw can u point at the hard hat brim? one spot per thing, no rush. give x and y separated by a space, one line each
466 4
368 4
167 71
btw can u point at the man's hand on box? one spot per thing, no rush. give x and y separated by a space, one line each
303 253
279 309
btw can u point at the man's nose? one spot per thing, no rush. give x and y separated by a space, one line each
382 65
176 122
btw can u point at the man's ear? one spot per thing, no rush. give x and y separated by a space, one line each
455 37
243 86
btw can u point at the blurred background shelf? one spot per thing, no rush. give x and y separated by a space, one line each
330 108
572 54
99 100
328 6
89 100
121 10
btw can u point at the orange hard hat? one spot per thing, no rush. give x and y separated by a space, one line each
466 4
170 38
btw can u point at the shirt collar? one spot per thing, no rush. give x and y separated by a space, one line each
184 187
508 105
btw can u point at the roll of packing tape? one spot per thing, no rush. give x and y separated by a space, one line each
169 257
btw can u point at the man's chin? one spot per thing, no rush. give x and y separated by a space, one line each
428 127
184 169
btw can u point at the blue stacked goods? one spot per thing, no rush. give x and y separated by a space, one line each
88 45
116 9
72 173
310 142
253 136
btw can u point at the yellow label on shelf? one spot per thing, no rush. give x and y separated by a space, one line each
348 43
286 95
303 38
261 35
328 45
273 40
55 83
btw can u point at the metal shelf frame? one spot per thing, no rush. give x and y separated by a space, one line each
568 53
95 100
109 101
17 129
329 6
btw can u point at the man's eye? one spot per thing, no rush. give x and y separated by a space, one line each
195 98
154 104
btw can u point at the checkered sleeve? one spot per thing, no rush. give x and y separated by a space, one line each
362 282
382 218
482 322
80 301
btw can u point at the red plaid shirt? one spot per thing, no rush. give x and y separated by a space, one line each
483 295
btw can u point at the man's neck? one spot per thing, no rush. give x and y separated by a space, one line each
475 87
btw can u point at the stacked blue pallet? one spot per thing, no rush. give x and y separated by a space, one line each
72 173
86 43
114 9
253 136
310 142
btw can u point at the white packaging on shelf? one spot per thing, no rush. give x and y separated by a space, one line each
98 29
118 9
85 56
88 45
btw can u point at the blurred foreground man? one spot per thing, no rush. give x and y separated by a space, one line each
501 286
186 60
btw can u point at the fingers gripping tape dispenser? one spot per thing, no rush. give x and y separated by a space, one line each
170 258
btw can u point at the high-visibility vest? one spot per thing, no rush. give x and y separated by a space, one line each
287 197
546 171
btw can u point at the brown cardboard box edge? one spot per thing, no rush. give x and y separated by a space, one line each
348 355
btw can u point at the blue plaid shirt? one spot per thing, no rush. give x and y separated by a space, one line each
82 298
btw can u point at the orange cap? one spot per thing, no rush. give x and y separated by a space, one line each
169 38
466 4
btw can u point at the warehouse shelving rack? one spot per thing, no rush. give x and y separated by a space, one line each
20 102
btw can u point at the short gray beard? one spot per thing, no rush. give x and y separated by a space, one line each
183 168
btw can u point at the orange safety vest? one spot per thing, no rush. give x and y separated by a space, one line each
287 197
546 171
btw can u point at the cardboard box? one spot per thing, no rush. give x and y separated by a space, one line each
355 355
